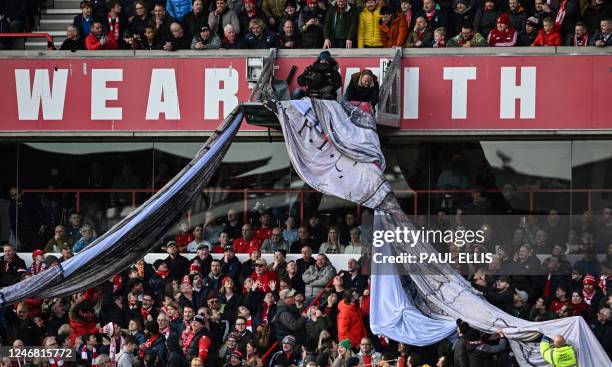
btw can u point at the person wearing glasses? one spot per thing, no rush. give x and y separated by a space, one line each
368 356
288 355
87 237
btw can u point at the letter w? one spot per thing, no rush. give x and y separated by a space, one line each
29 100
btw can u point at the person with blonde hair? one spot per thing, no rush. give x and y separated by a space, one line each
333 245
259 37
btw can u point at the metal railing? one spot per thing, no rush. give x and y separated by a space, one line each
50 44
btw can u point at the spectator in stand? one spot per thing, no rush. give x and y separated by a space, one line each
602 328
317 230
542 10
183 236
273 9
595 12
259 37
73 228
38 262
196 18
264 230
350 321
310 24
439 37
178 265
289 38
467 38
221 17
230 265
306 260
355 246
393 28
264 279
115 22
568 15
289 355
294 278
463 13
233 224
352 277
248 267
213 280
367 355
83 21
249 13
221 244
517 14
15 12
503 35
288 319
548 36
203 258
155 351
97 40
304 239
162 22
435 16
603 37
59 240
421 35
317 277
290 13
591 294
149 41
100 8
290 233
322 81
579 38
340 25
13 267
247 242
87 237
529 34
407 12
486 17
198 233
363 87
333 245
275 242
177 9
368 30
141 20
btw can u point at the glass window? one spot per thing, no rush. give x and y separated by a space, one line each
8 180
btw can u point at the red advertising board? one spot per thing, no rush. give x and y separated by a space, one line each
168 94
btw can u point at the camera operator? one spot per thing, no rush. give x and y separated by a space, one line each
322 79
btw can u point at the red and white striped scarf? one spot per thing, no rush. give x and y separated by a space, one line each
55 362
561 14
603 285
249 324
148 344
37 268
85 355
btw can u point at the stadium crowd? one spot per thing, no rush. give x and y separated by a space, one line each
202 306
251 24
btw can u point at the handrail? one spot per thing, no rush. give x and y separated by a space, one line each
312 303
50 44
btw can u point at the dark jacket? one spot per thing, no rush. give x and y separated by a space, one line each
138 25
460 354
245 19
355 92
603 333
485 21
157 353
518 18
526 39
193 23
11 273
178 266
266 40
322 80
73 45
312 35
439 19
288 321
601 37
296 40
183 43
83 25
340 26
456 20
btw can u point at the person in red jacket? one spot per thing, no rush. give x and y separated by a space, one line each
83 319
266 280
350 322
97 40
549 36
503 35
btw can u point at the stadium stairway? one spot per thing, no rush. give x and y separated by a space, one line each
54 20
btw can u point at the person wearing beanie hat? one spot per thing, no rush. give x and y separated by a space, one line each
288 355
462 13
198 343
38 263
235 358
320 80
529 33
310 26
590 293
503 35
